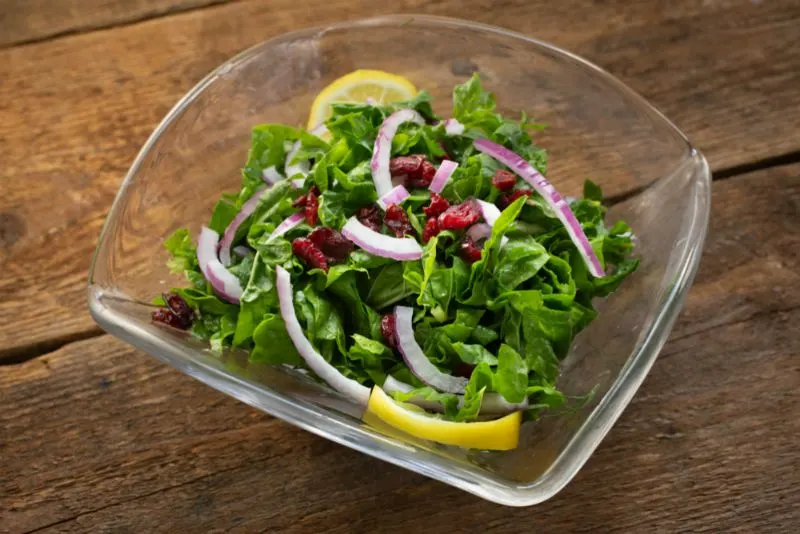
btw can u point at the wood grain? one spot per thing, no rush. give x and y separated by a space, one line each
26 21
102 438
69 136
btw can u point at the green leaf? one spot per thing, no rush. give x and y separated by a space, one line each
511 378
480 381
183 251
474 354
273 344
592 191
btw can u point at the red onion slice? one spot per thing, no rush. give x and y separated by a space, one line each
524 169
453 127
271 175
415 358
383 147
493 403
230 232
328 373
298 183
490 214
223 281
479 232
396 248
301 167
443 173
288 223
395 196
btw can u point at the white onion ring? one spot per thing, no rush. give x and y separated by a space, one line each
325 371
395 196
382 150
415 358
443 174
396 248
453 127
230 232
223 281
300 167
525 170
271 175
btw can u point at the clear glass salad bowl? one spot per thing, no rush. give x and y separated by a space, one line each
597 129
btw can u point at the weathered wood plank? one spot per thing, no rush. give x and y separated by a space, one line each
76 130
98 437
25 21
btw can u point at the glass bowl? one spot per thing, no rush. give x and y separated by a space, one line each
597 129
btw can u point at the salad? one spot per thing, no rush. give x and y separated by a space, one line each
422 267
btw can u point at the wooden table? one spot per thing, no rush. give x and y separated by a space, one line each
98 437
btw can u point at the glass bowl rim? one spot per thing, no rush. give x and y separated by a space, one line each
304 415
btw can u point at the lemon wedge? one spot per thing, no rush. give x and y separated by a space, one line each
359 86
500 434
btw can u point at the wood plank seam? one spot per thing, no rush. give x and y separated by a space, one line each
121 24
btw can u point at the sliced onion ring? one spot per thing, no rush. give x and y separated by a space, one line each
453 127
493 403
301 167
230 232
443 174
271 175
479 232
287 224
526 171
383 147
223 281
415 358
319 130
396 248
490 214
325 371
395 196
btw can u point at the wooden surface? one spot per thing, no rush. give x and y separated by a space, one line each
98 437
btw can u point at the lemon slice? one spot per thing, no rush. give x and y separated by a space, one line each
358 86
500 434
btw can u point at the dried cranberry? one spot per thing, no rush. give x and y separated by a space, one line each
332 243
164 316
302 200
469 250
179 308
423 178
370 216
504 201
431 229
460 216
463 369
504 180
397 221
438 205
311 208
405 166
389 329
308 252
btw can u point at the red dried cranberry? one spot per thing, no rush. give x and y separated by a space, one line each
164 316
310 209
405 166
179 308
302 200
469 250
463 369
389 329
431 229
332 243
438 205
504 180
397 221
460 216
308 252
370 216
504 200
